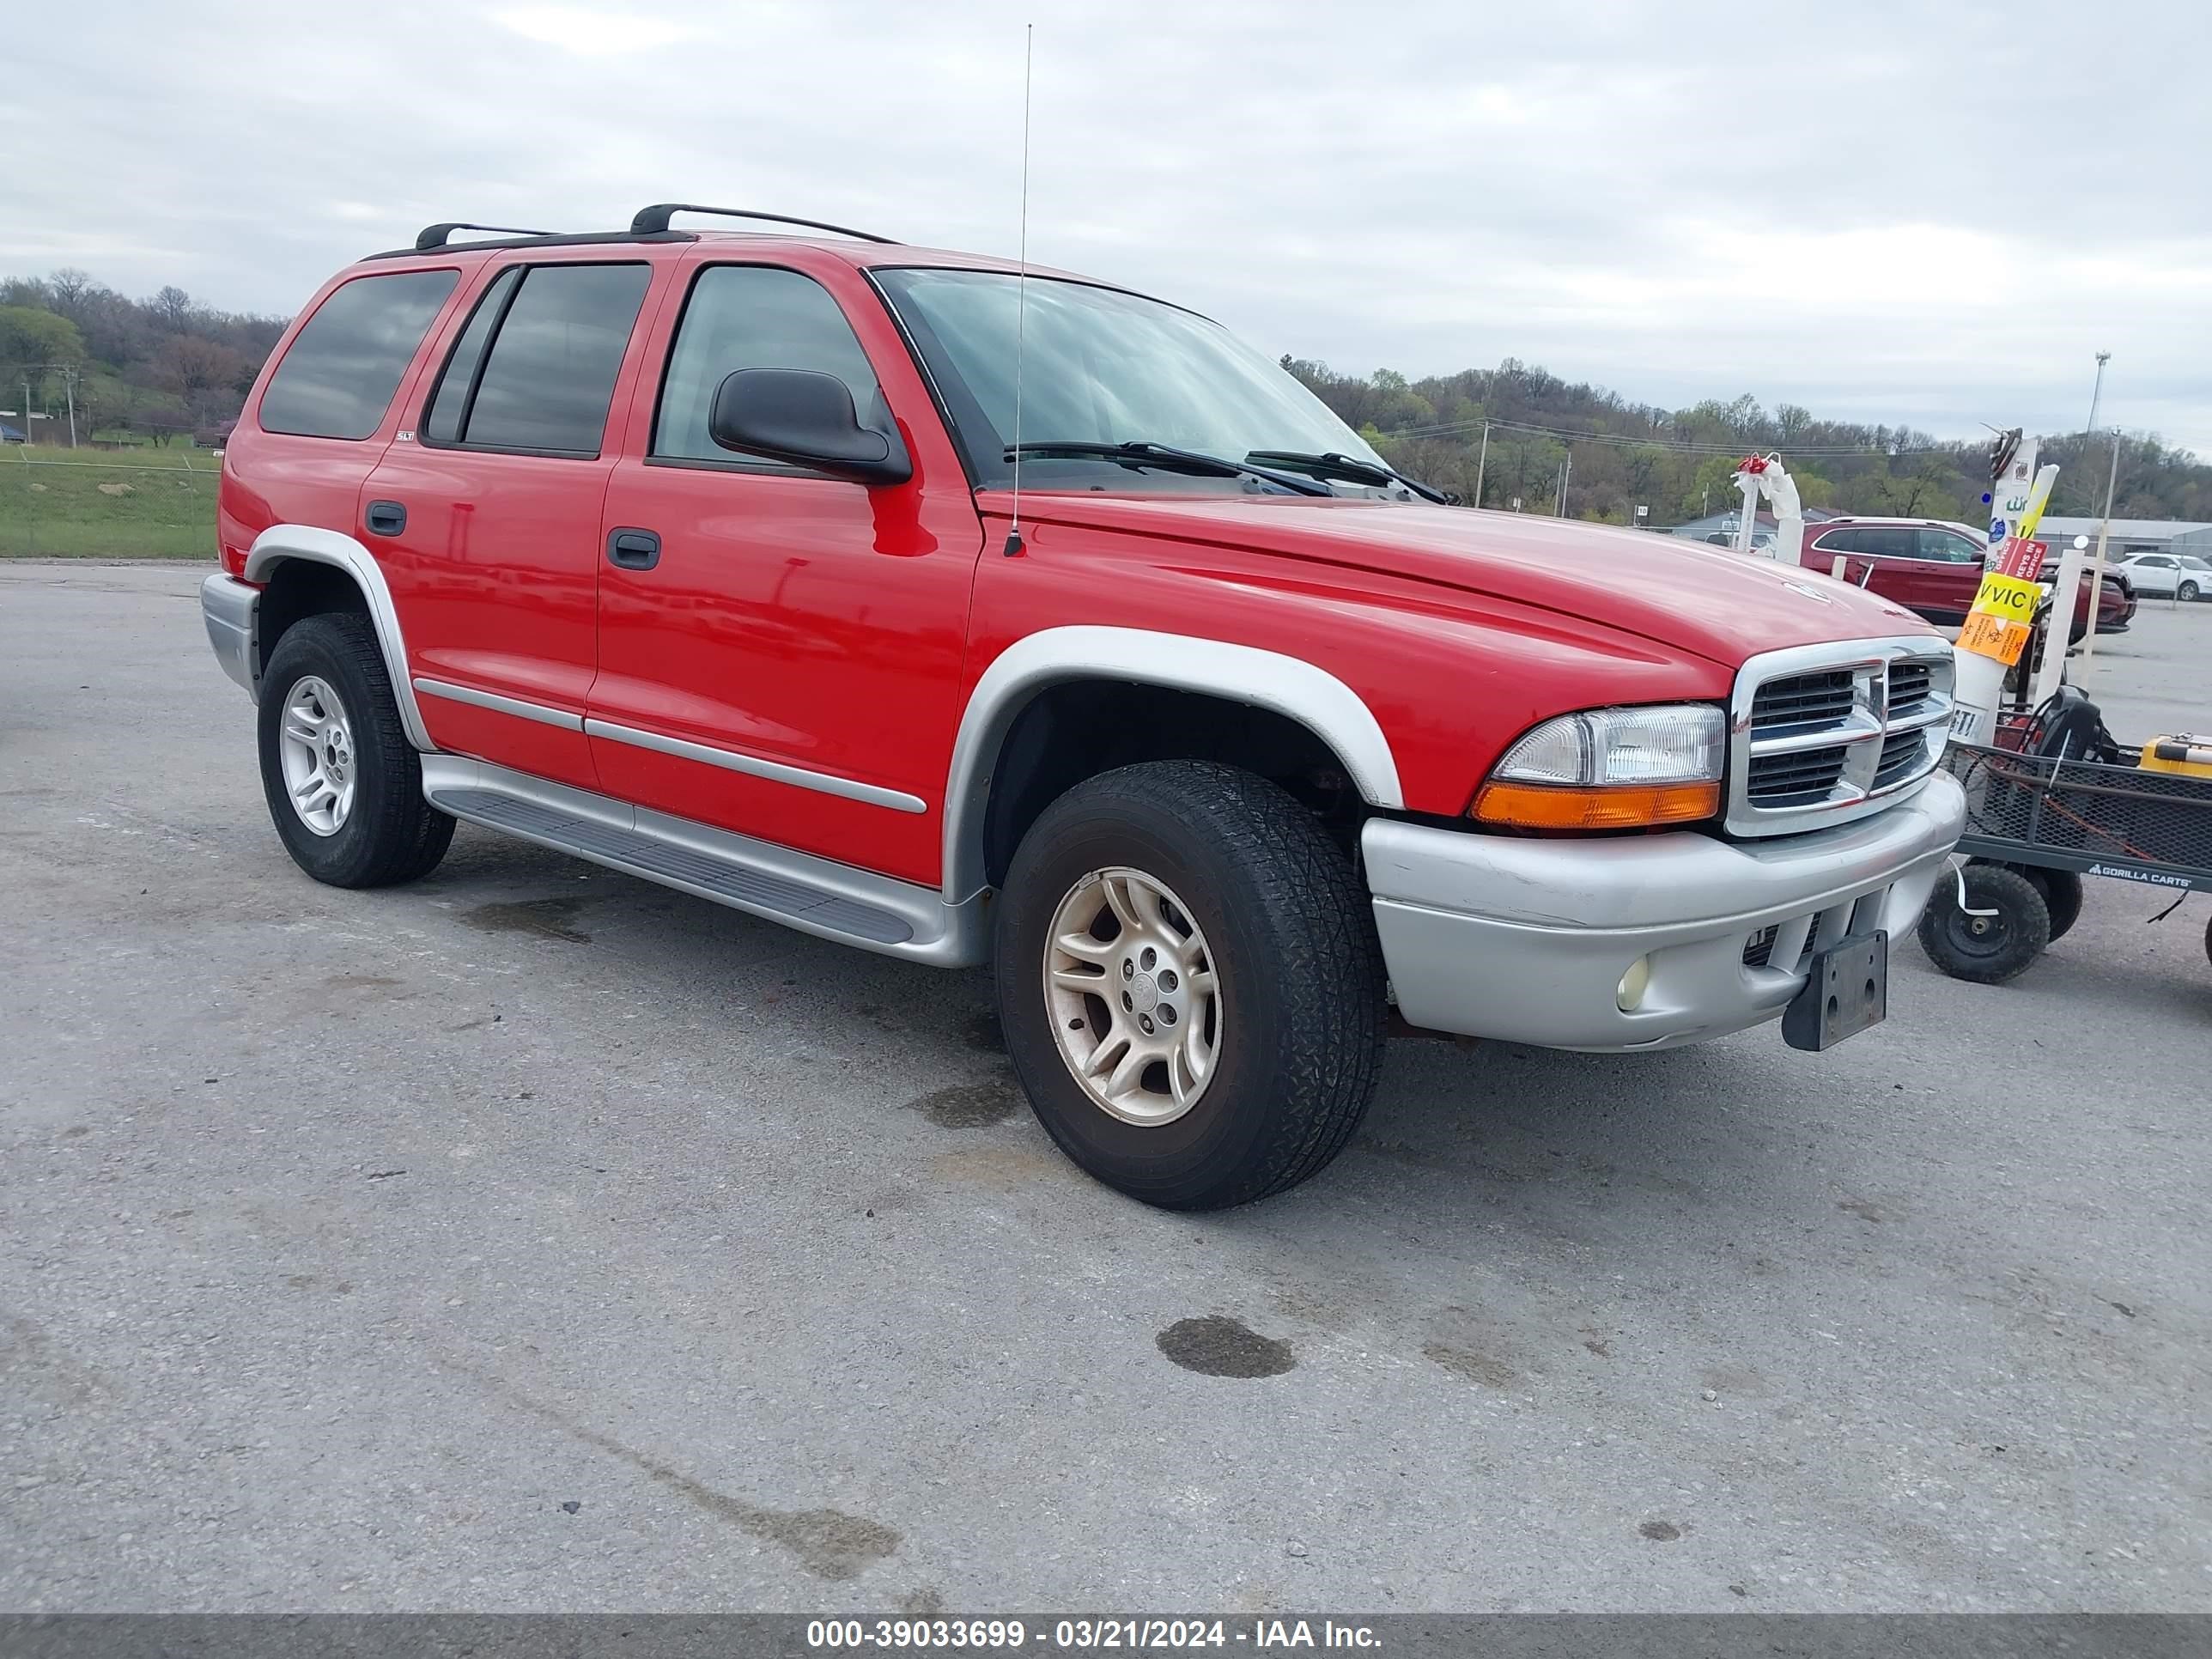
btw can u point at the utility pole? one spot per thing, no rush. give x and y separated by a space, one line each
69 391
1481 462
2103 535
1566 470
2097 394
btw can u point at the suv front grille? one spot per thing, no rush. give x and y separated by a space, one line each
1801 702
1801 778
1821 734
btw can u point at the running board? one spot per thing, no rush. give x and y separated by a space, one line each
814 895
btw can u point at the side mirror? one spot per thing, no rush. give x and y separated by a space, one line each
807 419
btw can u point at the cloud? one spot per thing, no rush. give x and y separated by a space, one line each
589 34
1890 212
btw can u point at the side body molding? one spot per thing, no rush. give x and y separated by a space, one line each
1241 673
280 542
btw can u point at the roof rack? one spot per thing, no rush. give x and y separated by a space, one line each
434 236
655 218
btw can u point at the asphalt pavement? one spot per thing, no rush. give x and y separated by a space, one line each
533 1238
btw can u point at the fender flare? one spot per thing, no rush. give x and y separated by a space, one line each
1313 697
280 542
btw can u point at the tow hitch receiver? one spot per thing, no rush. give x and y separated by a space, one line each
1846 991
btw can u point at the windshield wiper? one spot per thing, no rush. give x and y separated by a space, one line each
1335 466
1188 461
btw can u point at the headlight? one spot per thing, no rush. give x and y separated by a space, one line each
1611 768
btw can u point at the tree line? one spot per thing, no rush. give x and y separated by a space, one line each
157 368
1614 455
149 370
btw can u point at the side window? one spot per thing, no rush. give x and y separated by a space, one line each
1948 546
535 368
459 382
2155 563
1837 541
751 316
1888 541
338 378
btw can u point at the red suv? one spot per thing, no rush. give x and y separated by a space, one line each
1934 568
973 615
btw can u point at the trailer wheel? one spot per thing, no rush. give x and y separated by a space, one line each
2060 890
1989 949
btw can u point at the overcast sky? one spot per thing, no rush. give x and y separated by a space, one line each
1932 213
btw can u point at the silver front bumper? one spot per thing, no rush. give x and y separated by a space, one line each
1528 941
229 606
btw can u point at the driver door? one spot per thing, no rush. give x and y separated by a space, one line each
780 652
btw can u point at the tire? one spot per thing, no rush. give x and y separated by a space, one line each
1294 1007
2186 592
2060 890
384 832
2061 897
1987 950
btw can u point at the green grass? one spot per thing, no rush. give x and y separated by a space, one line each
58 503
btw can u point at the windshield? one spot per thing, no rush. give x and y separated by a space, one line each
1101 367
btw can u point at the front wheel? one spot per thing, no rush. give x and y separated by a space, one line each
2186 592
1994 946
1190 984
344 784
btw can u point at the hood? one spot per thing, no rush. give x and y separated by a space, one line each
1689 595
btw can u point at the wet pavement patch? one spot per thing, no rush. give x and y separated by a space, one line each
548 918
971 1105
1475 1367
1661 1532
1217 1345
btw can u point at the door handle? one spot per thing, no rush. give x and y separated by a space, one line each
634 549
385 518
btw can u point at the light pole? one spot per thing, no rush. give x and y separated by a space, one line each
2097 394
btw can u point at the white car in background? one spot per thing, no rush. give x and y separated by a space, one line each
2168 576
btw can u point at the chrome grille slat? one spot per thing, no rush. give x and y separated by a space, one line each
1822 734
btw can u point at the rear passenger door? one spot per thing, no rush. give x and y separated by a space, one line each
486 516
1950 574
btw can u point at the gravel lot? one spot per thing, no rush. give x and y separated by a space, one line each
533 1238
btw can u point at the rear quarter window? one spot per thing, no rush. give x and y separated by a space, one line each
339 374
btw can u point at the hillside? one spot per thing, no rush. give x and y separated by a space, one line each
147 372
137 371
1677 463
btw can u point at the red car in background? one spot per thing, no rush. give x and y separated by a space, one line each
1933 566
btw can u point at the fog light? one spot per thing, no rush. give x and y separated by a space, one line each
1633 983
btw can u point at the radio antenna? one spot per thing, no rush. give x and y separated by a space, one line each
1022 288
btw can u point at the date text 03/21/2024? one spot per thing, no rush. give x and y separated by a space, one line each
1086 1634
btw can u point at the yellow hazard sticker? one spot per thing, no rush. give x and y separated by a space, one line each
1994 636
2010 597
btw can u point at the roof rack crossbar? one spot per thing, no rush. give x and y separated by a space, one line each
434 236
656 217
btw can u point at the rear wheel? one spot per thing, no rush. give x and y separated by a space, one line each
344 785
1993 947
1190 984
2060 890
2061 897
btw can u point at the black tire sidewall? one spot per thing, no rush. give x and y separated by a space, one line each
1292 942
331 649
1230 1116
2026 919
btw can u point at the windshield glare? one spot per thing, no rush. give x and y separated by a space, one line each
1099 366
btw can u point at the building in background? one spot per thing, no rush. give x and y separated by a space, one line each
2130 535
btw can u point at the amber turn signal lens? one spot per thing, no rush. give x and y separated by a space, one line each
1620 806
